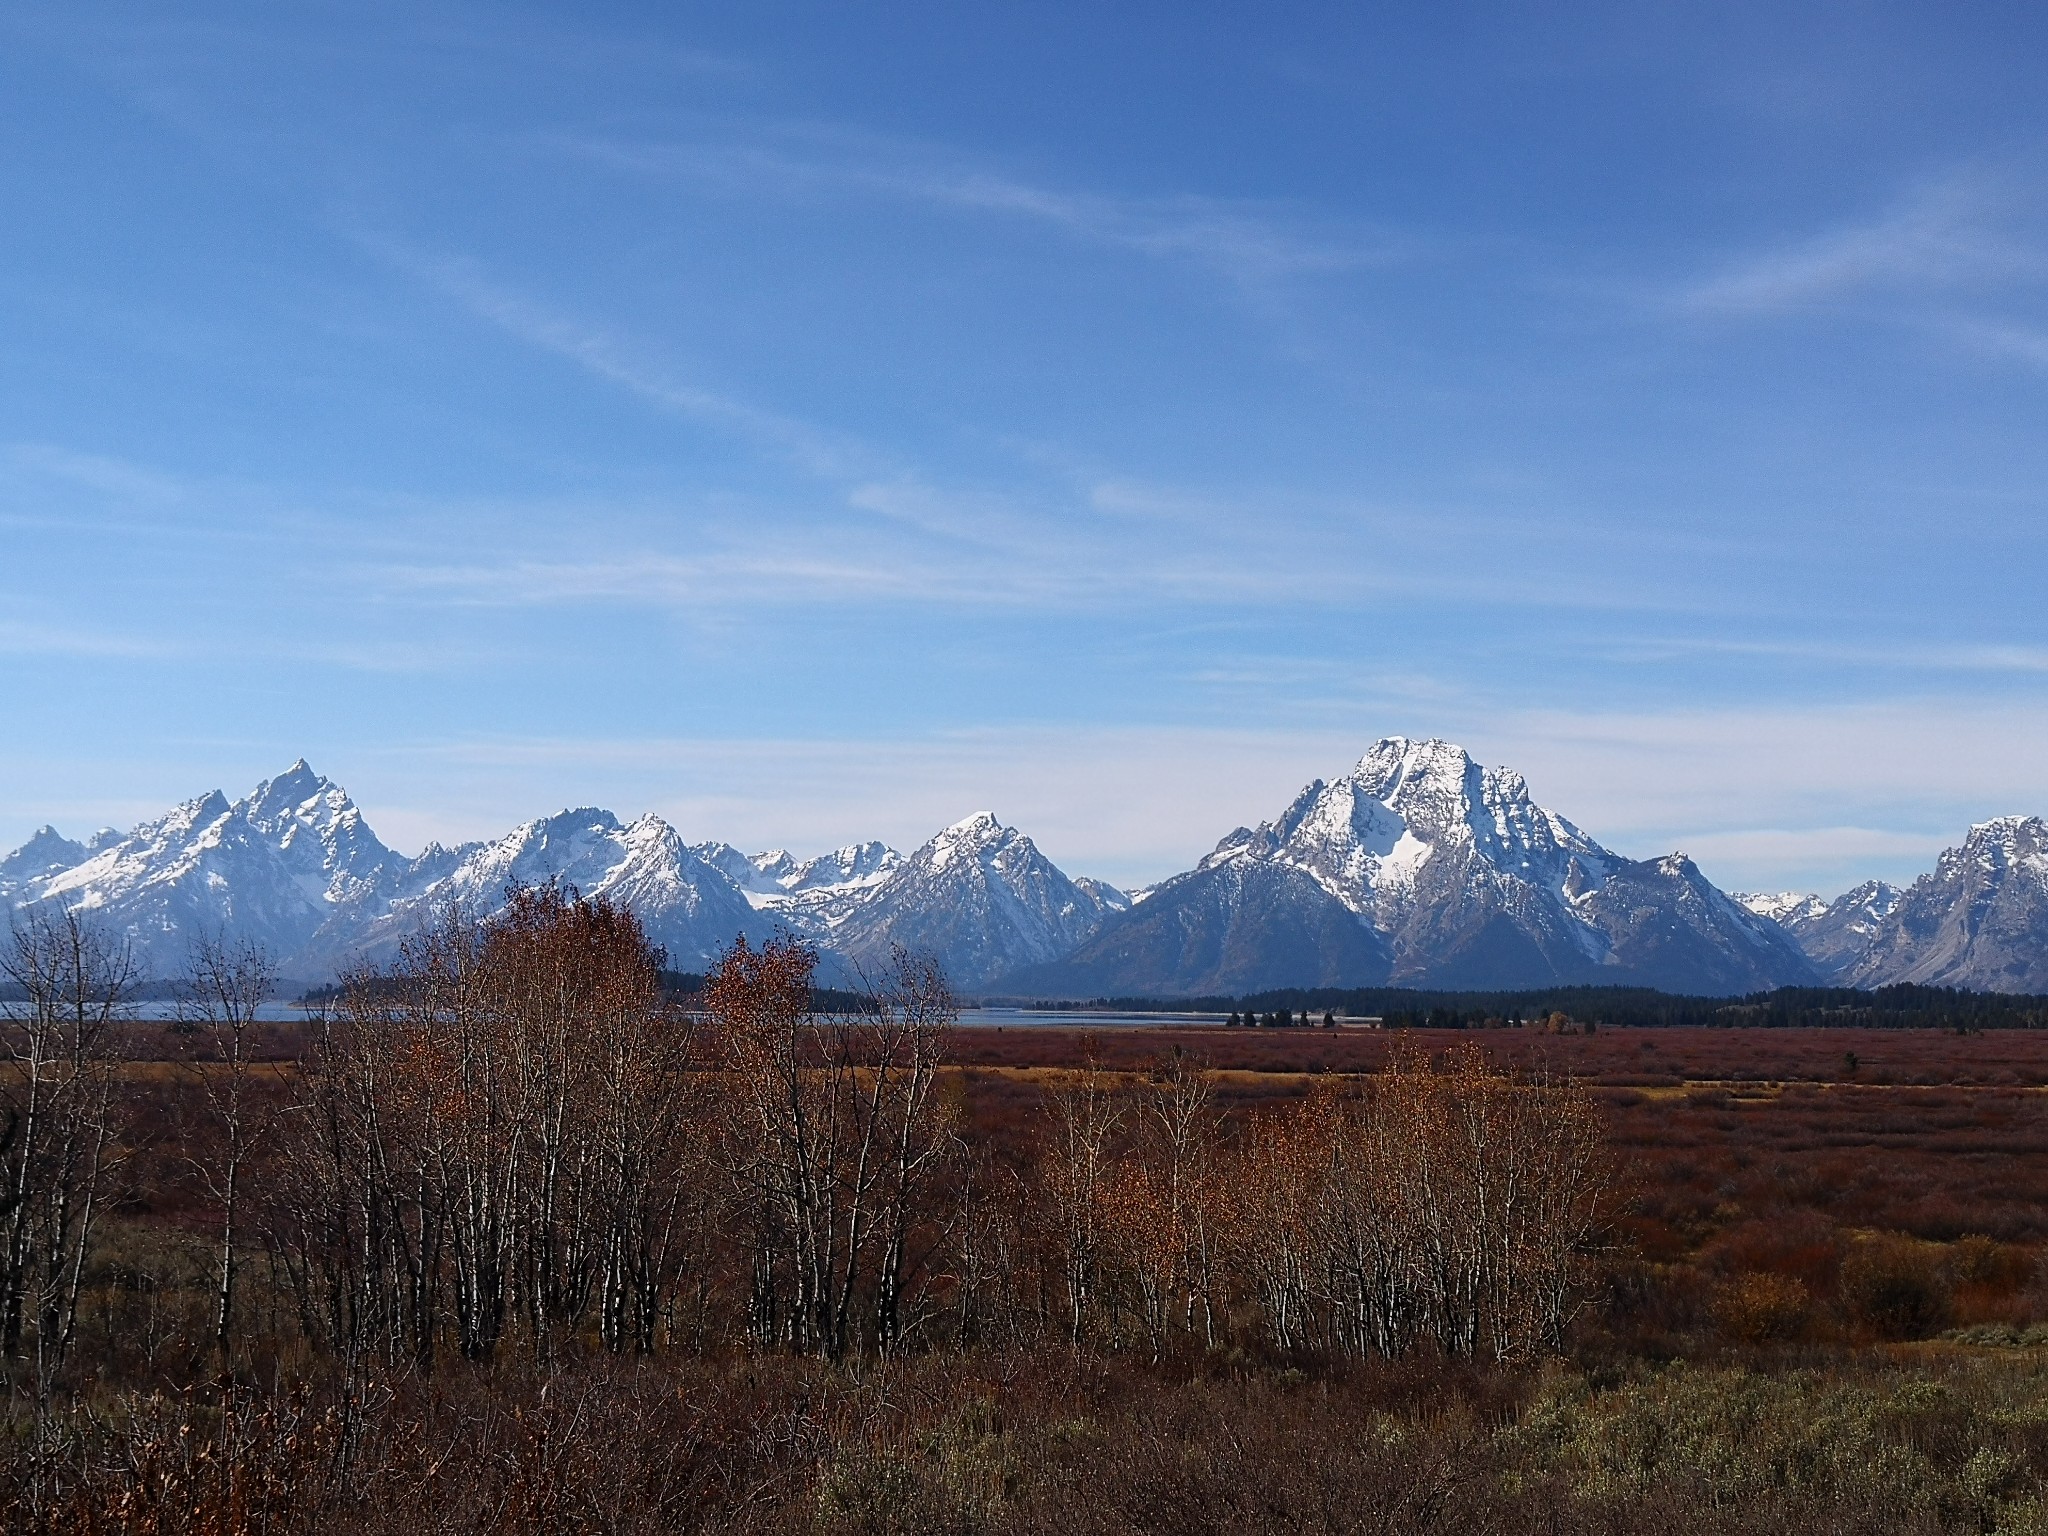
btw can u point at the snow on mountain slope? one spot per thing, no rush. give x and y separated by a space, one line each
810 896
687 903
1670 926
1834 935
272 867
753 873
47 853
1457 878
1785 908
1979 919
1418 867
294 867
981 897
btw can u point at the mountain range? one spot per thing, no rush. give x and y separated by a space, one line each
1420 867
1978 919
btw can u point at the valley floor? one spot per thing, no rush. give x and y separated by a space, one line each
1821 1306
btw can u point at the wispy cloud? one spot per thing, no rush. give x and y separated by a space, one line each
618 361
34 638
1986 658
659 579
2001 338
1251 243
1946 236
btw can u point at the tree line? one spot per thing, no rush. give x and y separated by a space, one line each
1899 1006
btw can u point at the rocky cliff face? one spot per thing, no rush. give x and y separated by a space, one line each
1979 919
1834 935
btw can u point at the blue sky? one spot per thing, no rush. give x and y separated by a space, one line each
820 422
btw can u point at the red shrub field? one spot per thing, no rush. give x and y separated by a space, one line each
511 1243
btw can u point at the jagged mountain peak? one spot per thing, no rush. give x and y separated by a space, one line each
970 837
981 826
853 864
46 853
2005 837
1419 865
982 896
1394 760
1369 836
1435 784
1877 897
273 866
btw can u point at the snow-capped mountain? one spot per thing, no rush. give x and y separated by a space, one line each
1785 908
1979 919
1420 867
274 867
1835 935
294 867
687 904
48 852
980 896
811 896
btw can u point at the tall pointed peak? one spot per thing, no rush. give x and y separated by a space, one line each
980 824
47 851
299 775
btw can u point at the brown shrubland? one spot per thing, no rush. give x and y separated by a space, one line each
509 1239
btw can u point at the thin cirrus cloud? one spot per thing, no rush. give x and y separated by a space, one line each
611 359
1253 245
1991 659
655 579
20 637
2002 339
1952 237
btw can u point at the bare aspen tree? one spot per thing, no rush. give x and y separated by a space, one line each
1186 1130
1155 1205
906 1040
988 1247
355 1222
70 983
225 987
606 1105
1448 1201
1572 1203
1274 1188
496 1133
836 1134
1081 1118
